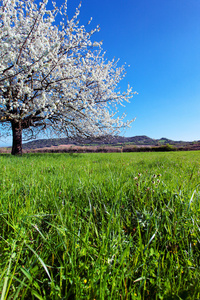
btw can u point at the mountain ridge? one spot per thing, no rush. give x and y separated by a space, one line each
108 140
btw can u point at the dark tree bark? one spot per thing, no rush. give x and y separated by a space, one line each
17 138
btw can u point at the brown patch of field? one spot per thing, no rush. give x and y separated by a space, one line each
70 148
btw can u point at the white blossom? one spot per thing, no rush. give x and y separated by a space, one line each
52 77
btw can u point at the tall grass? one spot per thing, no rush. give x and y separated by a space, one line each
100 226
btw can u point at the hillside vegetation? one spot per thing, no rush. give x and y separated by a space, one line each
107 144
107 140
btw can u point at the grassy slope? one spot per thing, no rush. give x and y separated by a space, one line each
100 226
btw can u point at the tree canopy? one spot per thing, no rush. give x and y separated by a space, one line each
53 76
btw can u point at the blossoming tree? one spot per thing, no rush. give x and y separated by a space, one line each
53 76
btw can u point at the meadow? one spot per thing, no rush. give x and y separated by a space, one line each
100 226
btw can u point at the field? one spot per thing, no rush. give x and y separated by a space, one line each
100 226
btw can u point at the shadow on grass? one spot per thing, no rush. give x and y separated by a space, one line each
52 155
5 154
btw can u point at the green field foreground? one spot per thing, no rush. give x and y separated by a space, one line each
100 226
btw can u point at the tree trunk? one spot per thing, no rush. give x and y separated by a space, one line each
17 138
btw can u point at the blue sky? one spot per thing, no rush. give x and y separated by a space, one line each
160 40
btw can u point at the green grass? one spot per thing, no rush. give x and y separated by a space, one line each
100 226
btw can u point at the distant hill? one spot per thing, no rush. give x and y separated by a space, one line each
113 141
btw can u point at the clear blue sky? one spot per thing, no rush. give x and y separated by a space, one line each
160 40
